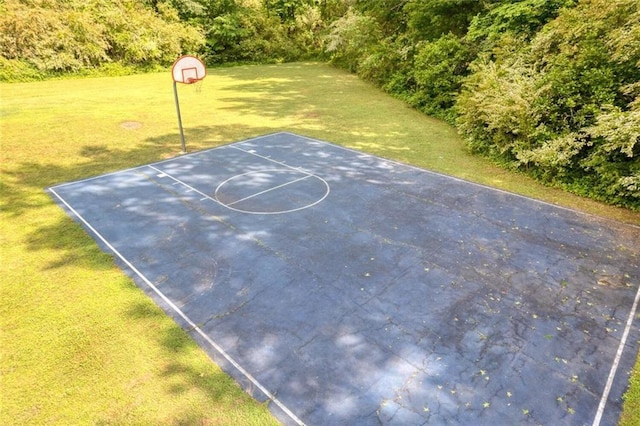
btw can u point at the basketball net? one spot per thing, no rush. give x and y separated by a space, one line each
196 84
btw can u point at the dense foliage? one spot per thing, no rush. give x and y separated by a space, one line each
566 105
71 35
549 87
38 37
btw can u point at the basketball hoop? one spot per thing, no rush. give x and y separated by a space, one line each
186 70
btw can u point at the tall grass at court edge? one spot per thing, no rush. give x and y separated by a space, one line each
80 342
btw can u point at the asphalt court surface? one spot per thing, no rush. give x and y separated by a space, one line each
350 289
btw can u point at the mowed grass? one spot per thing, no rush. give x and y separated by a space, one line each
80 342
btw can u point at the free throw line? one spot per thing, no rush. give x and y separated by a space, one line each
190 188
266 190
615 363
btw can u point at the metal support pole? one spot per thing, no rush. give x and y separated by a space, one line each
175 93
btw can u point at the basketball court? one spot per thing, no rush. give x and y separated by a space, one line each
348 289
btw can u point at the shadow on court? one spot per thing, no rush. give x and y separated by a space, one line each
348 289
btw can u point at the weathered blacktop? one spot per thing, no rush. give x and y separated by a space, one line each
349 289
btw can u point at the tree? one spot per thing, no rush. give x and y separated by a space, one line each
72 35
287 10
522 19
389 14
352 39
565 106
439 68
431 19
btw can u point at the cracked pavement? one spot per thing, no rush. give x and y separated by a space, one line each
358 290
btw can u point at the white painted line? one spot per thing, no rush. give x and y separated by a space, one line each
191 154
281 163
295 209
97 177
267 190
186 185
182 315
503 191
166 161
616 362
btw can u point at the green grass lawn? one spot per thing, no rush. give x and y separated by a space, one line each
80 342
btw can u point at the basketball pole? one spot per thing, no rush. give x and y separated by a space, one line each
175 94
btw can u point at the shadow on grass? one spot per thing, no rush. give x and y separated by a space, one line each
72 245
294 99
23 185
31 210
185 374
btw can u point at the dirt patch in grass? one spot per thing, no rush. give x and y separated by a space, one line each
131 125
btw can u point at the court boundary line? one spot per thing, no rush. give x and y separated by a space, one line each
458 179
182 315
233 145
616 362
615 365
142 166
89 179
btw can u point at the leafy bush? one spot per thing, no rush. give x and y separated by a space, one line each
439 68
73 35
308 31
432 19
565 106
61 39
522 19
496 108
17 70
352 39
266 41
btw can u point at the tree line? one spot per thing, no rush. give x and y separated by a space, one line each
546 87
39 38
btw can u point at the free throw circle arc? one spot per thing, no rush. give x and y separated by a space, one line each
272 191
188 69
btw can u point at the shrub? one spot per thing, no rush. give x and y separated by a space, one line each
352 39
438 70
17 70
566 107
495 108
75 35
